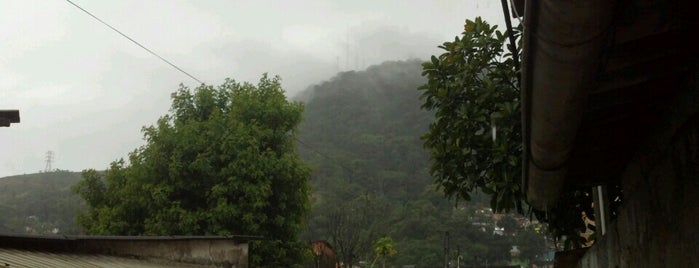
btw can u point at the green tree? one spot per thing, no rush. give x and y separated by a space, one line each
475 138
383 248
223 162
352 227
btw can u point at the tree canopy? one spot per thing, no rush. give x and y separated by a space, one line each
222 162
383 248
475 138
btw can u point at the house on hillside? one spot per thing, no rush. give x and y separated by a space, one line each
610 96
324 256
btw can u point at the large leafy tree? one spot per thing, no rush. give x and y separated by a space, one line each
475 138
223 162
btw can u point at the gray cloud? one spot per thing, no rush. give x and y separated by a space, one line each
85 92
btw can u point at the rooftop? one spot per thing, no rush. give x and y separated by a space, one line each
124 251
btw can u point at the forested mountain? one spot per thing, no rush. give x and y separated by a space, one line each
361 133
366 127
40 203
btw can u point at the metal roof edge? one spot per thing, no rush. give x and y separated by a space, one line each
240 238
561 44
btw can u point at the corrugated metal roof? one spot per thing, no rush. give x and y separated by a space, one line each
39 259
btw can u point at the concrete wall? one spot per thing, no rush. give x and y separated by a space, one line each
200 250
219 253
658 224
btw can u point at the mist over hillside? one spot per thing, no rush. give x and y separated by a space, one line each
40 203
368 125
361 135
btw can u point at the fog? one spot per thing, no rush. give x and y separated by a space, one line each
84 91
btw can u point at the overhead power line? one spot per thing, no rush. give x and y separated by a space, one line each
335 161
135 42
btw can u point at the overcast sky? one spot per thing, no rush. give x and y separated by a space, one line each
84 92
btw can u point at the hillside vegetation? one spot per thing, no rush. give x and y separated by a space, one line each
40 203
361 133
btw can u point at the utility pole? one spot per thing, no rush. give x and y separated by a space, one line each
446 249
49 161
458 256
599 194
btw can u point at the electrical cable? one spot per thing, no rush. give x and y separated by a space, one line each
135 42
184 72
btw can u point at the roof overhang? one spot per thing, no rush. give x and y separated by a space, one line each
8 116
562 48
594 76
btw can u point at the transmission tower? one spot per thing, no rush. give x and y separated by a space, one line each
49 161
